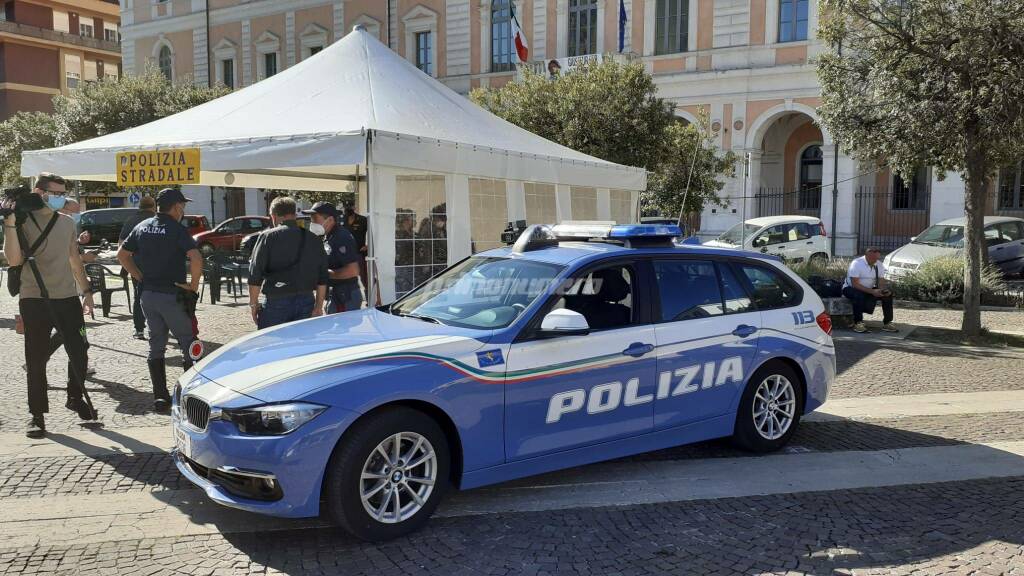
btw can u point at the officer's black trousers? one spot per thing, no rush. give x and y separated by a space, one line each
38 324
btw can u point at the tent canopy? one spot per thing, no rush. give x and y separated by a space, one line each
312 126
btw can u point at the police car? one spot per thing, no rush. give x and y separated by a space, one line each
580 343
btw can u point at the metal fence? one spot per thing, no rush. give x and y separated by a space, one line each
888 219
777 202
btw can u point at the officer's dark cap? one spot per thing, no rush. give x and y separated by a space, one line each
169 197
324 209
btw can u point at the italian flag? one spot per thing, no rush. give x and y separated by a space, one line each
522 48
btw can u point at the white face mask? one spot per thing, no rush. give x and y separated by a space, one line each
317 229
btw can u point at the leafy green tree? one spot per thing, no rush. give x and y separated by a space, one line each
95 109
611 110
929 83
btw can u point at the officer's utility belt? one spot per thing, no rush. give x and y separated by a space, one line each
346 282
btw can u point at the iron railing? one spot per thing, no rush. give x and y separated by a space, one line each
888 220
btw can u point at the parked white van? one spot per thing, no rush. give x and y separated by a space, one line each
793 238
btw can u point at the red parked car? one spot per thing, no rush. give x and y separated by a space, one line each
195 224
229 233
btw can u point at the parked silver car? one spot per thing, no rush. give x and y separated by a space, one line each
1003 235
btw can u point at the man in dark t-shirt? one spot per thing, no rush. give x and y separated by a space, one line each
154 254
342 259
358 225
147 209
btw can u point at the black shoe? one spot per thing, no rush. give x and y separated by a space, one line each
162 406
139 335
36 427
84 411
158 374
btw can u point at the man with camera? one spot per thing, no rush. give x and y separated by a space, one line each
865 285
154 255
289 266
45 242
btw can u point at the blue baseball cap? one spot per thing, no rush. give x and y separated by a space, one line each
170 196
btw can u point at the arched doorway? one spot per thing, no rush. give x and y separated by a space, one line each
809 198
788 176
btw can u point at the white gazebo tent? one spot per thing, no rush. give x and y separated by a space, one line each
357 108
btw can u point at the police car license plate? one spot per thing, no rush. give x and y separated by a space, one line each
183 442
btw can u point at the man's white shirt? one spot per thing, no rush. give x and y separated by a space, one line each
863 271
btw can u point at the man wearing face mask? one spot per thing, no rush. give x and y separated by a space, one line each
342 259
288 265
154 255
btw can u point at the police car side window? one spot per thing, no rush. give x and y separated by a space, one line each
769 289
688 289
735 296
604 297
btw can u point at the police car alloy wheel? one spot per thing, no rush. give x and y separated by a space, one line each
388 474
769 411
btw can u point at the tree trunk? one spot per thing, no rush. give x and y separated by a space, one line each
974 238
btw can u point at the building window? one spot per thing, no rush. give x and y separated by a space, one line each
911 195
423 53
166 62
85 30
99 70
488 213
1011 188
810 179
315 49
793 20
582 27
269 64
421 236
110 35
671 25
227 73
72 80
501 36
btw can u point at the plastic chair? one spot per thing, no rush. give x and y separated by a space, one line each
106 282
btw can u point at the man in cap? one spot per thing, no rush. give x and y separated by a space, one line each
290 268
147 209
154 254
342 259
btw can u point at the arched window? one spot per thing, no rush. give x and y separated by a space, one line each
810 178
166 62
501 36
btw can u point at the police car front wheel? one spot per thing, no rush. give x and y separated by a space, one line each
388 474
769 411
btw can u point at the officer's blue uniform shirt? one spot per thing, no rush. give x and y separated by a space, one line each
341 248
159 245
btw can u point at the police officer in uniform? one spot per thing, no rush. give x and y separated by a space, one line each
154 255
288 265
358 225
342 259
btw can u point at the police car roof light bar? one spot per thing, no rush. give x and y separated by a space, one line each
540 236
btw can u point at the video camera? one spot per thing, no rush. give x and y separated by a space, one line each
512 232
24 202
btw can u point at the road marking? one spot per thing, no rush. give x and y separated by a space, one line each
171 513
941 404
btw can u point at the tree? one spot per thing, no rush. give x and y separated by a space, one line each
611 110
96 108
929 83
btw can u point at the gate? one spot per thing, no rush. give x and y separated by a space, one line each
778 202
888 218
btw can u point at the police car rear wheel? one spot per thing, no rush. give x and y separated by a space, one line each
769 411
388 474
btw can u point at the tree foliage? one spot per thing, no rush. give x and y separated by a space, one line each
97 108
929 83
611 111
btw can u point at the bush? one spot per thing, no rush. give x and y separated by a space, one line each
942 281
834 269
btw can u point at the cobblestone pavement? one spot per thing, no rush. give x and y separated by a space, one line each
963 527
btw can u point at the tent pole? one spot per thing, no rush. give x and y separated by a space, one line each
372 292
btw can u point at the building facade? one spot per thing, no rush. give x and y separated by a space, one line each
48 47
747 66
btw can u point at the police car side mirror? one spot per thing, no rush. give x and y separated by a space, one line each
563 322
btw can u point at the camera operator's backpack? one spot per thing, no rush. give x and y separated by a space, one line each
14 272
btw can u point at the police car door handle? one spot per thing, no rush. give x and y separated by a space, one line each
744 330
638 349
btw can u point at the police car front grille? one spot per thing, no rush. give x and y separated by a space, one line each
197 412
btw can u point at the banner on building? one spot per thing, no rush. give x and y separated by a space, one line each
158 167
556 66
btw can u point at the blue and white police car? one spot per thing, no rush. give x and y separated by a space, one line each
580 343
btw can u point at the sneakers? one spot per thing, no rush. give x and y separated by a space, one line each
888 327
36 427
860 328
139 335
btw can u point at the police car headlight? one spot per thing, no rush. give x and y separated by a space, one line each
272 419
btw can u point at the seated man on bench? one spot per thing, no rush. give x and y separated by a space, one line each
865 285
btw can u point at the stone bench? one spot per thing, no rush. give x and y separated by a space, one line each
840 309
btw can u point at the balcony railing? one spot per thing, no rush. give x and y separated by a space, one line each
55 36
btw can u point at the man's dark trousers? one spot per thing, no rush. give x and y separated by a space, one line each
281 309
38 324
138 316
864 303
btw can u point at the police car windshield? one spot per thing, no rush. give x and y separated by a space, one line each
737 233
482 293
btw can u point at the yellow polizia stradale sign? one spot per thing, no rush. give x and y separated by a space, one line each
158 167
